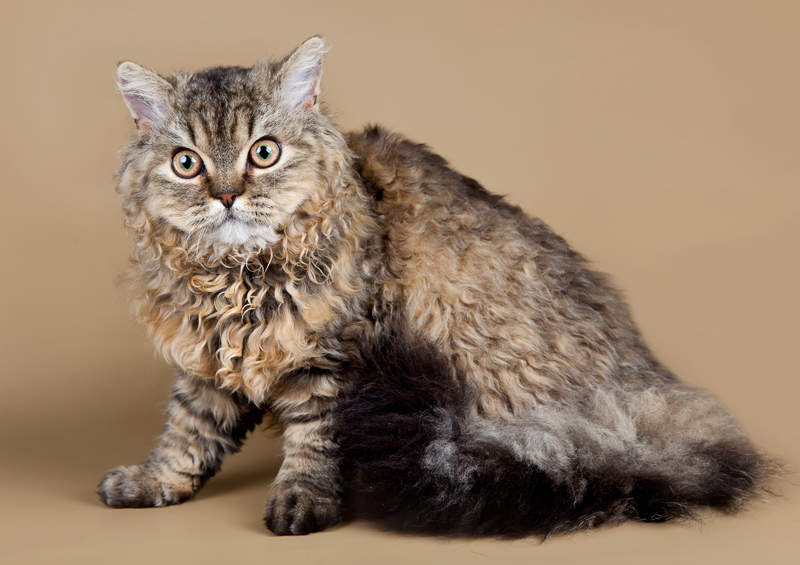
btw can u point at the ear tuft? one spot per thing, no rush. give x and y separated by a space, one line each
300 75
146 93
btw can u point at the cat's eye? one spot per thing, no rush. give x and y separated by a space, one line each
187 164
265 152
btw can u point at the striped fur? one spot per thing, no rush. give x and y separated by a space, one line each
203 425
509 391
307 489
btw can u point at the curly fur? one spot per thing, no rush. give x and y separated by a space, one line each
417 458
517 395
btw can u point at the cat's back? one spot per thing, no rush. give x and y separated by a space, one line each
409 181
452 225
476 275
443 230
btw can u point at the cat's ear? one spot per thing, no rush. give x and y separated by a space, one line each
300 73
146 93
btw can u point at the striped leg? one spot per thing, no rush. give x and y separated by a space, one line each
203 425
306 493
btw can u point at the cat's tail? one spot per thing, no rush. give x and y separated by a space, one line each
414 459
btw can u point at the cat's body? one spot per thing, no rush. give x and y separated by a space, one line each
424 345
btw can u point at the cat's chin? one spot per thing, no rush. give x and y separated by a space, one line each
241 236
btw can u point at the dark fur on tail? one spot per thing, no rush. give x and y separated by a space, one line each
408 408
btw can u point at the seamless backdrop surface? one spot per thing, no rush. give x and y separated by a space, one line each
661 139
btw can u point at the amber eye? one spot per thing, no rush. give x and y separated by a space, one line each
187 164
265 153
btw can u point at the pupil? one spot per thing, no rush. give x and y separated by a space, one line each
186 162
264 152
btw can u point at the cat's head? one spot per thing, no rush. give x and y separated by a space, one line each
227 157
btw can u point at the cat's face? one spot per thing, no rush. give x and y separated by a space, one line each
227 155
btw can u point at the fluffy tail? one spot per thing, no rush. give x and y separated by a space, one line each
415 460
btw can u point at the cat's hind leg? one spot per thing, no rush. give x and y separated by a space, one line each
417 458
204 424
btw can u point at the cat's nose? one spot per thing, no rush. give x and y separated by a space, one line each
227 198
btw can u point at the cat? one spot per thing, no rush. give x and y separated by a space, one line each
437 360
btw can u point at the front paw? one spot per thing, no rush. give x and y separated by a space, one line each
295 510
138 486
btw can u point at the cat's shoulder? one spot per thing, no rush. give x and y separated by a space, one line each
380 151
389 162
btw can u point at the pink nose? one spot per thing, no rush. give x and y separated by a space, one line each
227 198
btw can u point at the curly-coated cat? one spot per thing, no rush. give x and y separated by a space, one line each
437 360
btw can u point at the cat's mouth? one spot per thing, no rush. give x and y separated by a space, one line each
235 228
231 216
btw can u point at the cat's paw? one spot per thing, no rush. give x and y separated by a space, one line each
138 486
295 510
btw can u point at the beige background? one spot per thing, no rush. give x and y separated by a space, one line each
660 138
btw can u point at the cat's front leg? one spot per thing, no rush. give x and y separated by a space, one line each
306 493
204 424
